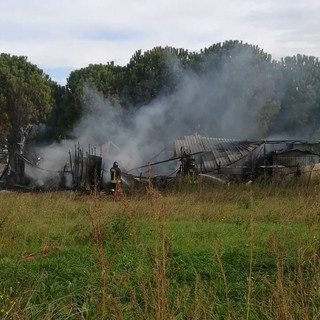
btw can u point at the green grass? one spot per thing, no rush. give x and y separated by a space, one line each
206 252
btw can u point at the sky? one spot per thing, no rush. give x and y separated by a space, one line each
60 36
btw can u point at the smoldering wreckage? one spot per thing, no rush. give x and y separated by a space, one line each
193 159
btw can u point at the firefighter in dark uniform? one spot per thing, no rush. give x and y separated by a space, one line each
188 167
115 176
192 171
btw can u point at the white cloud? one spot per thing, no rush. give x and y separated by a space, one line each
72 34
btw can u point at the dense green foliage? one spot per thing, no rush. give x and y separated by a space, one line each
207 253
278 96
25 96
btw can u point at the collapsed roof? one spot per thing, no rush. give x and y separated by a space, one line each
215 152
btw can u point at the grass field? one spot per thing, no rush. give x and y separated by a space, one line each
206 252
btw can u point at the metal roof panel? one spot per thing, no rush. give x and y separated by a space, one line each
215 150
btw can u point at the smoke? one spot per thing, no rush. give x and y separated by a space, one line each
215 102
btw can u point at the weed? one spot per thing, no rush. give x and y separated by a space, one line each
214 252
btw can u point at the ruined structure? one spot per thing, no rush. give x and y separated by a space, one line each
251 159
190 157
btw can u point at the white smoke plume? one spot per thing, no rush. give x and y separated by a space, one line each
214 103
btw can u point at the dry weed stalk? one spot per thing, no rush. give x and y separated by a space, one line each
218 256
281 303
159 258
250 279
97 223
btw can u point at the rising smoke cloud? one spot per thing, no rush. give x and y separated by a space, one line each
213 103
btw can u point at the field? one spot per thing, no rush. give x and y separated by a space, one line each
204 252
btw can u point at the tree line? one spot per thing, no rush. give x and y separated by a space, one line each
281 97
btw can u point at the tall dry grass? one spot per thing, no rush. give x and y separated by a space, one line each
200 252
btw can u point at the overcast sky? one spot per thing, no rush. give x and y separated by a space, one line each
63 35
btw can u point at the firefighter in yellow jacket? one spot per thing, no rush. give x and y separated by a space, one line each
115 176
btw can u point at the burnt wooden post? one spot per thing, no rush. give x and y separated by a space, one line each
94 171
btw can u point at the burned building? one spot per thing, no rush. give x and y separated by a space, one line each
249 159
231 159
83 170
190 157
217 154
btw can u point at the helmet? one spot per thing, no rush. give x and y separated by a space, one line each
115 164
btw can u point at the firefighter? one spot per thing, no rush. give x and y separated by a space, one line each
115 176
188 167
192 171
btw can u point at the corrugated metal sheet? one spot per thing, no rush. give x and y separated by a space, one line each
294 158
215 151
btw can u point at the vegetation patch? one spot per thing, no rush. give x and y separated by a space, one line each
210 253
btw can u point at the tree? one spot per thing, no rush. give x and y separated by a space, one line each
62 116
237 84
152 73
25 97
299 90
104 78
